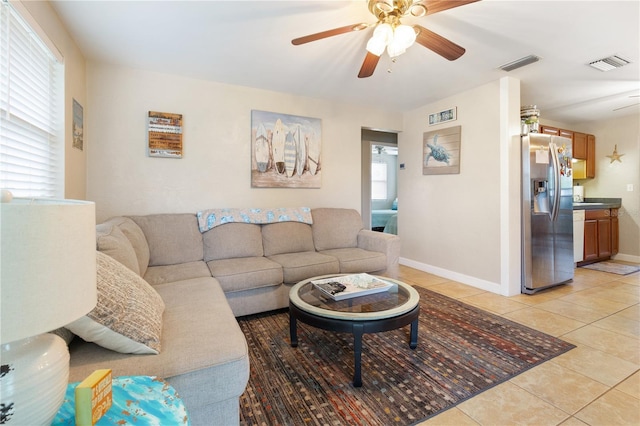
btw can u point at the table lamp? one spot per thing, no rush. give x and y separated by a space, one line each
47 280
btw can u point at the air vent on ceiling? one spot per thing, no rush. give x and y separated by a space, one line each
518 63
610 63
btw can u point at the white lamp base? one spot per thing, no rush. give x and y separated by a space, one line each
33 381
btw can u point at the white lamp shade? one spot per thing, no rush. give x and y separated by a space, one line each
404 36
376 45
48 265
395 49
384 32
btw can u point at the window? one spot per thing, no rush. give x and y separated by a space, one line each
31 102
378 181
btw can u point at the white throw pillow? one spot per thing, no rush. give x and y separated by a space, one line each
128 316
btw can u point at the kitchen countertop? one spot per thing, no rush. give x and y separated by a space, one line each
598 204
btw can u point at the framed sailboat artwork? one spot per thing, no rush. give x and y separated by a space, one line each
285 150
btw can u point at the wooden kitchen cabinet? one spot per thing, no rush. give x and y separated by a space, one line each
565 133
604 238
600 234
590 240
583 148
579 146
615 229
591 156
548 130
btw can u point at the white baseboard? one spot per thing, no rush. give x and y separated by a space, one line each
453 276
626 258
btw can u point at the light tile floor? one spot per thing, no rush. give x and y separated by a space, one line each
597 383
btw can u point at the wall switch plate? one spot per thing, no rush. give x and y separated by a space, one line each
401 166
630 187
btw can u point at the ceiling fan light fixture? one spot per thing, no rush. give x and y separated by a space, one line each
384 6
404 36
376 45
395 50
382 36
418 10
396 40
384 32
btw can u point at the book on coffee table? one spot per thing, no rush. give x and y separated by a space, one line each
348 286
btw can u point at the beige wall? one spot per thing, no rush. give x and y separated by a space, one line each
75 178
466 226
462 226
215 168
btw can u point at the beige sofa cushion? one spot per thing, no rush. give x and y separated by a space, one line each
170 273
335 228
233 240
286 237
128 315
172 238
300 266
111 241
356 260
245 273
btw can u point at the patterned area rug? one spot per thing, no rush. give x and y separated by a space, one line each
462 351
613 268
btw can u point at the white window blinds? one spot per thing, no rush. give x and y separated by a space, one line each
378 181
31 155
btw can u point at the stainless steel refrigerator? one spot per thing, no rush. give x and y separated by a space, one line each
547 212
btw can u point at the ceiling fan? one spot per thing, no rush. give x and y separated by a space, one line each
631 105
392 35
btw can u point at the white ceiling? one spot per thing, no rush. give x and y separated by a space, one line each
248 43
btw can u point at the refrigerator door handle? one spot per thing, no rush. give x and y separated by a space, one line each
555 209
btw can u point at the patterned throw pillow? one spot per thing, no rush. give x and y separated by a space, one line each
128 316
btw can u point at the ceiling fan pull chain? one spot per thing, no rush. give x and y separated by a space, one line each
390 69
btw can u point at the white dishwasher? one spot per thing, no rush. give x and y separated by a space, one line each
578 235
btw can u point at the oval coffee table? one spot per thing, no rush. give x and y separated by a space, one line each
388 310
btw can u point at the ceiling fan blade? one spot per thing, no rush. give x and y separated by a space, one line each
435 6
369 65
443 47
628 106
328 33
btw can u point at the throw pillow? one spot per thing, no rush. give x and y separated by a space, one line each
128 315
112 241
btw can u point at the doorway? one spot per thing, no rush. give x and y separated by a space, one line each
379 180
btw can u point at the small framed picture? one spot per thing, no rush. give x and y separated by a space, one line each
165 134
443 116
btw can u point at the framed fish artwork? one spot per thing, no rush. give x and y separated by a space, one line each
441 151
285 150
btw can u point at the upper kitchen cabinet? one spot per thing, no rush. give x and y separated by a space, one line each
547 130
583 151
579 146
591 156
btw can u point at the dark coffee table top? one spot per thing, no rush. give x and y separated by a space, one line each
397 300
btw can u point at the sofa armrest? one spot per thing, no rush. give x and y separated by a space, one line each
388 244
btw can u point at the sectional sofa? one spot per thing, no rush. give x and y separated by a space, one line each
207 269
